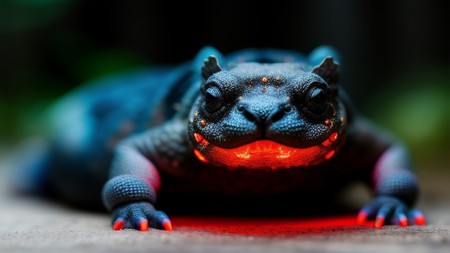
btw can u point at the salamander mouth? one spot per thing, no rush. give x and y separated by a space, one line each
265 154
264 149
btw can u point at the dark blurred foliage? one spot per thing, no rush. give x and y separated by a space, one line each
395 53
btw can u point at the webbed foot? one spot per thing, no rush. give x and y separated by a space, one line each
139 216
390 210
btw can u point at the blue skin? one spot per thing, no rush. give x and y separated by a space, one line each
118 138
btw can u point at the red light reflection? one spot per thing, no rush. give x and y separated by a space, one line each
265 227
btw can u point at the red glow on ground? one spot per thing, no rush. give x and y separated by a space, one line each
266 227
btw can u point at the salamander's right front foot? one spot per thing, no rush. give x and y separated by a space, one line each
139 216
390 210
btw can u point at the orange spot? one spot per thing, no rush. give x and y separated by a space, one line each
198 137
265 79
329 123
278 78
333 137
203 122
200 156
205 143
329 155
327 143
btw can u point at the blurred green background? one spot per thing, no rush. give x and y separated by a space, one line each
395 54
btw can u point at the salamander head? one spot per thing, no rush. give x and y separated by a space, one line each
267 115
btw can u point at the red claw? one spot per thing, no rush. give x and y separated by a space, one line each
420 220
143 225
362 216
118 225
379 222
167 225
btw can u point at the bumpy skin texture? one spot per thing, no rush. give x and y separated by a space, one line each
251 123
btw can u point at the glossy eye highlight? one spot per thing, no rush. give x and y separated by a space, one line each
213 99
316 101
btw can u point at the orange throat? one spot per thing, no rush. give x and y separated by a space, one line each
265 154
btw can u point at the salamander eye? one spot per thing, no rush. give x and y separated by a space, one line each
213 99
316 101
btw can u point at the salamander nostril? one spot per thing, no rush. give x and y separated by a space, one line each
264 115
277 114
251 116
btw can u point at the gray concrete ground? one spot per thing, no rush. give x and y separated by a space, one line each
32 225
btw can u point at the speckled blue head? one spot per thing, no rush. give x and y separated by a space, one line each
267 115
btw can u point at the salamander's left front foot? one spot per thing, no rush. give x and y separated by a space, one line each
139 216
390 210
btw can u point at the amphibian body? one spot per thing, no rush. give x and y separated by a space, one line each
251 123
